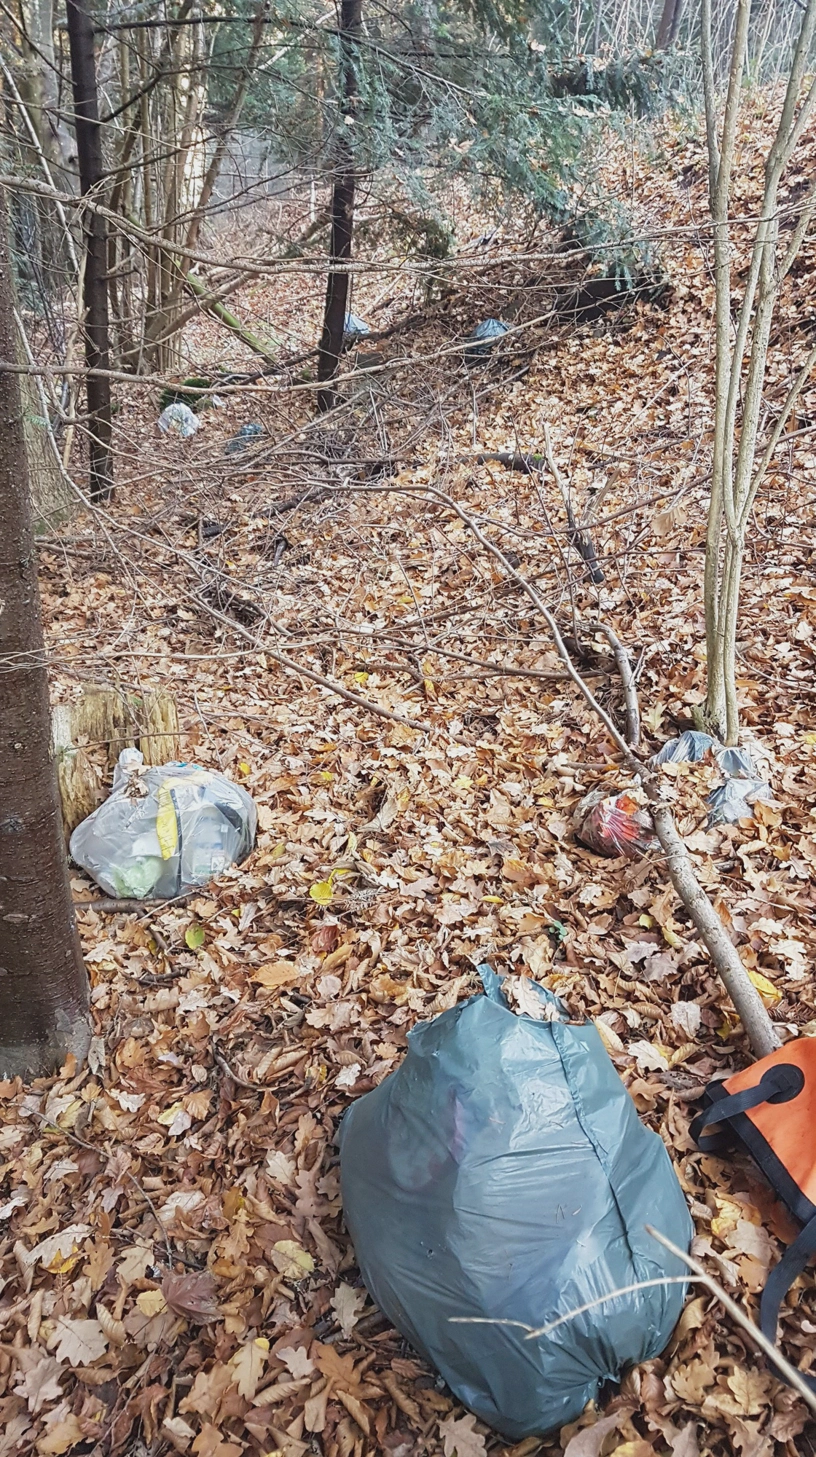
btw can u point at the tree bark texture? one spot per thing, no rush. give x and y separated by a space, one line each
95 285
342 208
43 986
670 17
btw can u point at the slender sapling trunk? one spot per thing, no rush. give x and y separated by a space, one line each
95 288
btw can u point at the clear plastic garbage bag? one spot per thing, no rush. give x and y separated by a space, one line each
164 829
692 746
499 1180
180 419
735 799
614 824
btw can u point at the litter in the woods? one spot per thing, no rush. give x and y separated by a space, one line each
243 438
180 420
163 830
484 339
769 1108
734 799
353 330
614 824
693 746
499 1180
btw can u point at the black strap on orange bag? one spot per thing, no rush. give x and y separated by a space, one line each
770 1109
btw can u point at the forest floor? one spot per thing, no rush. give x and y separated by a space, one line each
175 1270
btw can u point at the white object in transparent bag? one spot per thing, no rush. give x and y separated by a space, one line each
164 829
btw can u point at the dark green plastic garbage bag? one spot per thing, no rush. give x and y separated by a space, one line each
502 1174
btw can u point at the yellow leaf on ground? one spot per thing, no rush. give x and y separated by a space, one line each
768 992
151 1302
293 1262
61 1437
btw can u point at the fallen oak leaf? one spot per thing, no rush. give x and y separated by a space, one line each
207 1391
340 1370
686 1017
648 1057
347 1304
64 1244
248 1365
459 1438
210 1443
589 1441
690 1382
39 1383
61 1437
296 1360
685 1443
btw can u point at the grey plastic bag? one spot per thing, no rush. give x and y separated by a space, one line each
735 799
164 829
729 802
502 1174
693 746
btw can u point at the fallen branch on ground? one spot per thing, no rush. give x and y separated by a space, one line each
628 684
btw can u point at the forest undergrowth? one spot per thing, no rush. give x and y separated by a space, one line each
175 1271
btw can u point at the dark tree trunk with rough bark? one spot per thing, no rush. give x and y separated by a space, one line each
670 17
43 986
95 289
342 208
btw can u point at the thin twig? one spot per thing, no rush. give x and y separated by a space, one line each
236 1077
534 1332
49 1123
790 1374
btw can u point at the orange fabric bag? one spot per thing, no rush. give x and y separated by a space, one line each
770 1108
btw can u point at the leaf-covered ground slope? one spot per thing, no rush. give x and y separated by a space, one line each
175 1271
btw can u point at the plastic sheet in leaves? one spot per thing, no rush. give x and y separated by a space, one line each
163 830
735 798
502 1174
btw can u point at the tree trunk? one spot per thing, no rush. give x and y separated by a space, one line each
670 17
342 208
95 289
43 987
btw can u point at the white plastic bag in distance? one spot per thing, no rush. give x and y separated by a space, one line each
164 829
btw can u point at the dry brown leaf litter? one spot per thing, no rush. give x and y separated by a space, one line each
177 1277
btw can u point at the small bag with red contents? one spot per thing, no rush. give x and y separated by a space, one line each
614 824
